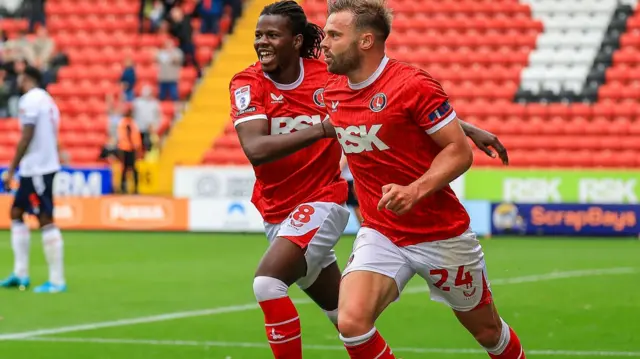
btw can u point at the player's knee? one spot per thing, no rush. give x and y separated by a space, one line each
353 323
267 288
45 220
488 335
16 214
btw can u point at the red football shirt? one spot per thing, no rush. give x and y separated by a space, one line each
309 175
383 125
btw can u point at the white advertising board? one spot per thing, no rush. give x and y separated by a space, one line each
215 182
216 215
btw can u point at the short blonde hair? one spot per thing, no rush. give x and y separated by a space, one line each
368 14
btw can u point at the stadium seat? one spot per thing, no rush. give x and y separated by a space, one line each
97 36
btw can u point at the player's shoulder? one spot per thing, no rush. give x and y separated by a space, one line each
34 94
315 66
335 82
252 75
407 73
411 77
33 97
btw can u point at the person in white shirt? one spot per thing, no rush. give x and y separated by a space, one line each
38 159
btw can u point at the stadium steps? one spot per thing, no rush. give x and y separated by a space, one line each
208 111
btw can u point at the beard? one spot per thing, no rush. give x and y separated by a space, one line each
347 61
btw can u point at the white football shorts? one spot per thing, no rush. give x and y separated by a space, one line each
454 269
316 227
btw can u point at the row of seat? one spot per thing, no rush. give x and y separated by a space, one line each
144 73
86 156
97 90
115 7
106 41
518 158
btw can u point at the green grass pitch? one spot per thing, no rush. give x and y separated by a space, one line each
170 295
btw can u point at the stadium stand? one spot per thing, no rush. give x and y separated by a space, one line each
556 80
535 72
97 36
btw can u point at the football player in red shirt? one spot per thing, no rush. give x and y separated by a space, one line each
278 110
404 145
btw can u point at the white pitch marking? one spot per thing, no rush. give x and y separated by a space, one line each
569 353
252 306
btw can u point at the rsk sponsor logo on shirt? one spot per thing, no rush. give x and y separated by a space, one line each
284 125
356 139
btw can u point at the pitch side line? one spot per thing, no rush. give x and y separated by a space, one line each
252 306
236 345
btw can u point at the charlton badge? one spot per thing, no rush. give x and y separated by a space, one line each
318 97
378 102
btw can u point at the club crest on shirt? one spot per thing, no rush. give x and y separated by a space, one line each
243 97
378 102
318 97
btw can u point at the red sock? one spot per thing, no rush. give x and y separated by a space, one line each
283 328
513 350
374 347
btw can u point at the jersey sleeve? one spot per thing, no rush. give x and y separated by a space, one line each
28 110
429 106
246 99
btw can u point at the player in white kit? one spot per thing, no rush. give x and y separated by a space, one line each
38 161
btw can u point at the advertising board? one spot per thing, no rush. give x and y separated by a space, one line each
214 182
565 219
113 213
77 181
553 186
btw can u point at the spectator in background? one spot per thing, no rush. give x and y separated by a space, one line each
156 15
129 150
16 70
42 47
128 78
181 29
35 13
210 12
236 12
5 93
21 47
147 115
169 60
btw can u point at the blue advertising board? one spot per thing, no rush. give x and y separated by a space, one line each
479 211
566 219
78 181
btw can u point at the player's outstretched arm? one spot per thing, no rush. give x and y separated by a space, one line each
27 135
260 147
454 159
484 140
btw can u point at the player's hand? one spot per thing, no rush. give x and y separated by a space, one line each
484 140
6 180
327 128
398 199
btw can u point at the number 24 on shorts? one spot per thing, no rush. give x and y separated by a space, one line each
462 278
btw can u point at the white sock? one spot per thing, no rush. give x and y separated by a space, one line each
505 337
355 341
20 241
52 241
